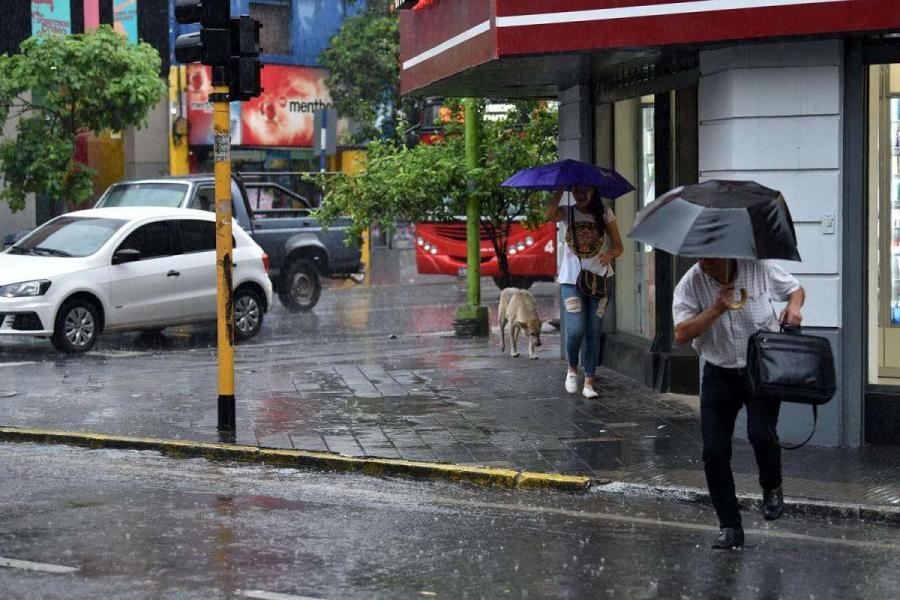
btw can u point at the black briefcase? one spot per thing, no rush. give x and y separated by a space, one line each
791 366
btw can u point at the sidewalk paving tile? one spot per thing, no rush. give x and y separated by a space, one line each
422 398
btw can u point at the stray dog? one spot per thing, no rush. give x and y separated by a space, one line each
519 310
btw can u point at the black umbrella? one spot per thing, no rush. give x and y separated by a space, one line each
719 219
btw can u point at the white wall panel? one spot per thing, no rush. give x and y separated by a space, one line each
797 143
761 56
820 253
810 194
823 301
789 92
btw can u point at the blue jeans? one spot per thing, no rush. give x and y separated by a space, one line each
583 317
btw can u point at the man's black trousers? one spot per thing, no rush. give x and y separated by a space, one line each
722 394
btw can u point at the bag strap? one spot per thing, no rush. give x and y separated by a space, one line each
815 410
571 210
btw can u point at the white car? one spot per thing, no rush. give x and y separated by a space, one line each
115 269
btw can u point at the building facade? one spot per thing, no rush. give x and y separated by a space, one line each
114 154
800 95
273 132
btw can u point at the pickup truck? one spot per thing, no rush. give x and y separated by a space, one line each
300 251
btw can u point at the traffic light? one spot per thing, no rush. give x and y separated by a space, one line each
212 44
230 46
244 74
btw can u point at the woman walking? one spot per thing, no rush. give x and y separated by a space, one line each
592 244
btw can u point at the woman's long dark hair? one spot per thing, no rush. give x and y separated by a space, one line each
596 208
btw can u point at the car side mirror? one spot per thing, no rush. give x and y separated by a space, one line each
126 255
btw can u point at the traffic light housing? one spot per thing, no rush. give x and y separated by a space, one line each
230 46
244 75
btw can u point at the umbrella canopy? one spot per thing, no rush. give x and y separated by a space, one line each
568 174
719 219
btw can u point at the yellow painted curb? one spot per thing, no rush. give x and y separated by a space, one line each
552 481
488 476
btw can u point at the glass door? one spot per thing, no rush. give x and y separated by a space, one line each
884 224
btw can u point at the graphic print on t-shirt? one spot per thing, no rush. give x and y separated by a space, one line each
588 241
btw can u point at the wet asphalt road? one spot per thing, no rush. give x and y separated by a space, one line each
136 525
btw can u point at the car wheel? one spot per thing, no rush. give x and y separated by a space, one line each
248 313
301 286
77 326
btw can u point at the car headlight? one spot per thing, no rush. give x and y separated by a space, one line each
38 287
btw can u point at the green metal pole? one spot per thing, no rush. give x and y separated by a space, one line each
473 212
472 319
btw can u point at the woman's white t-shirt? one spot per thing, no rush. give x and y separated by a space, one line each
592 242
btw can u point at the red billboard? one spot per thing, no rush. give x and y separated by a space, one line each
281 116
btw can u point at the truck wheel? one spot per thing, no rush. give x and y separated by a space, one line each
301 287
248 313
76 327
516 281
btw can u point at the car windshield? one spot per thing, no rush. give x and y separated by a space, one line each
144 194
68 236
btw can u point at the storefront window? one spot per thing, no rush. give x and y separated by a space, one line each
634 158
884 224
645 273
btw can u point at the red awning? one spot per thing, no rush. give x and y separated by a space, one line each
447 38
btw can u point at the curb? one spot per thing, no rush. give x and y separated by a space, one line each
750 502
486 476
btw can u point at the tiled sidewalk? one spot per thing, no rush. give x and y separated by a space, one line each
424 398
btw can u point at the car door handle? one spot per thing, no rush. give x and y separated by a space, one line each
173 273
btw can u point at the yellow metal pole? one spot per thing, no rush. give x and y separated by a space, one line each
222 155
178 147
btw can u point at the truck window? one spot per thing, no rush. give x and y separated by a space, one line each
144 194
205 197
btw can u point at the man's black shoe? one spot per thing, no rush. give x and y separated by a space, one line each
729 537
773 504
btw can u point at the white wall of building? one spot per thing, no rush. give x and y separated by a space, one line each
24 219
772 113
147 149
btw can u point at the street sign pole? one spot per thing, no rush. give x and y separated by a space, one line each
224 263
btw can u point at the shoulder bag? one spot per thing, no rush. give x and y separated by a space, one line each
791 366
588 283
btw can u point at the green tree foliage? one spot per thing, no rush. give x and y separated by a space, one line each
58 87
364 72
431 182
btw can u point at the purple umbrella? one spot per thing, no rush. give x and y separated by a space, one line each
567 174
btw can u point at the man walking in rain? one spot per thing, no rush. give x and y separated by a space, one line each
706 314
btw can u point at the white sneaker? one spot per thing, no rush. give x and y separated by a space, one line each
571 382
588 392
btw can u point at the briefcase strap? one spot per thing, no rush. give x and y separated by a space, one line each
815 410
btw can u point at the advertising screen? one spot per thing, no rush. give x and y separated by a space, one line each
283 114
199 109
125 19
51 16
